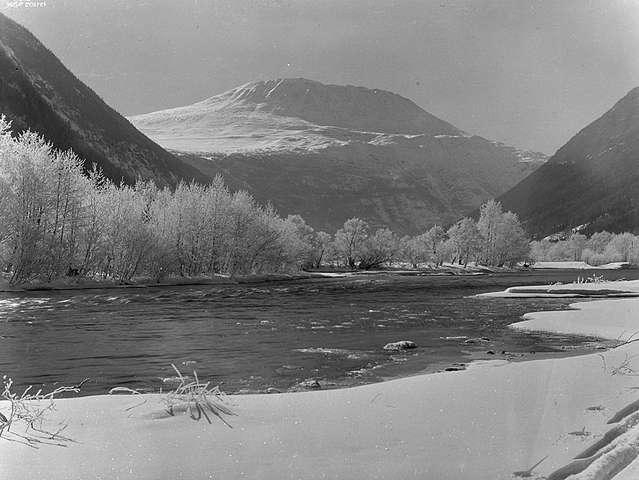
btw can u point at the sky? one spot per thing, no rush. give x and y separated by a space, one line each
528 73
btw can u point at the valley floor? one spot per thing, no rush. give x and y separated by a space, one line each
493 421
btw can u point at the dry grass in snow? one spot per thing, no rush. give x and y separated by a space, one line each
193 398
25 419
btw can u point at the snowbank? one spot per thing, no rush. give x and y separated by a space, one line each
580 265
615 453
623 288
487 422
610 319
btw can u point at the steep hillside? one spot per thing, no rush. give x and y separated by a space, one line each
37 92
593 180
331 152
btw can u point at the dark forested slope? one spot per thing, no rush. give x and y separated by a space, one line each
593 180
39 93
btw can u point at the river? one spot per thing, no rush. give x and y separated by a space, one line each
250 337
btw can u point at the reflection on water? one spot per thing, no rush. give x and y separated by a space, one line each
250 337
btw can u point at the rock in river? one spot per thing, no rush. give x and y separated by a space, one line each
472 341
401 345
310 384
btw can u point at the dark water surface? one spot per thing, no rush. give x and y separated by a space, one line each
254 336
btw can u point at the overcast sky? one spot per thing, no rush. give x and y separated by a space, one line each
529 73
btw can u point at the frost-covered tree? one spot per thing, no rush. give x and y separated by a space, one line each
578 243
490 216
301 241
624 244
513 245
42 205
464 241
378 249
599 240
350 239
414 250
321 249
127 234
599 249
57 220
503 239
434 238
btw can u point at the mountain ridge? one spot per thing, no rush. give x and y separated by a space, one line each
331 152
329 105
288 114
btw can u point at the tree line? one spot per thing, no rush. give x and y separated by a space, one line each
598 249
495 239
58 221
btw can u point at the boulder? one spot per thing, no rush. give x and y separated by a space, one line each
310 384
472 341
401 345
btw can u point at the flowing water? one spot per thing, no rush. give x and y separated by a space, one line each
250 337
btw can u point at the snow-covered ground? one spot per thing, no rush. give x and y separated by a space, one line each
580 265
613 452
622 288
492 421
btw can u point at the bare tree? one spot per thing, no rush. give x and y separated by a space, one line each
464 240
349 240
378 249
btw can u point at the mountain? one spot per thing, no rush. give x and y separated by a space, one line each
592 182
37 92
330 152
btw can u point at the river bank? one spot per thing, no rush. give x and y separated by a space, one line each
88 284
439 274
80 283
495 420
